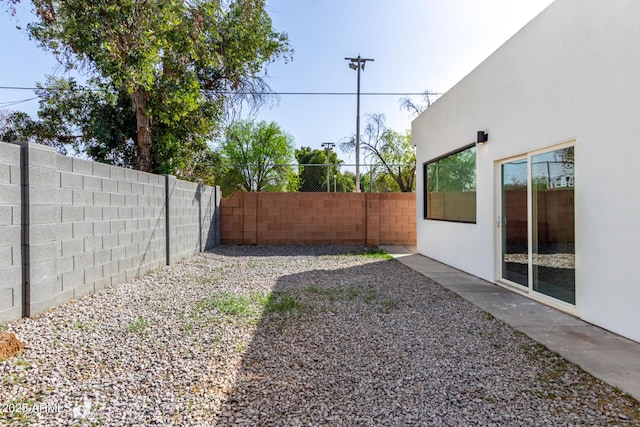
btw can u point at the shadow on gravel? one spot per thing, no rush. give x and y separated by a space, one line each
379 344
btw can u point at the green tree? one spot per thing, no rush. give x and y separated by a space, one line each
101 125
314 178
97 123
376 179
68 117
392 149
258 157
16 127
179 63
347 181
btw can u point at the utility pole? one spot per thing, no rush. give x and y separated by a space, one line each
357 64
328 147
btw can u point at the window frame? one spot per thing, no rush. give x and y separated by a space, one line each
425 190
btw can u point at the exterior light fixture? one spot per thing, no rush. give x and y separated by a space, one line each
357 64
482 137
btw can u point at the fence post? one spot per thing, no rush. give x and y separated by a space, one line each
24 232
373 219
217 215
169 187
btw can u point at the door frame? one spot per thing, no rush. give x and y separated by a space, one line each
528 291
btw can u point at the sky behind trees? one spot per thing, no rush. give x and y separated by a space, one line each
417 45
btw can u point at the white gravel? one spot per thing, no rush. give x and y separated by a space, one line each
343 340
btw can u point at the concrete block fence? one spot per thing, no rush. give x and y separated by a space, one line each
319 219
70 227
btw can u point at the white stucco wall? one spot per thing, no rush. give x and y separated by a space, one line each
572 73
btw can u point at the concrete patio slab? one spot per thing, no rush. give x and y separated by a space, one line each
605 355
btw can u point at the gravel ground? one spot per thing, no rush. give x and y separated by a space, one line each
291 336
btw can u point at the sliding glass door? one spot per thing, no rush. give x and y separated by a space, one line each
553 237
537 222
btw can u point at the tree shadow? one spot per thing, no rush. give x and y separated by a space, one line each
323 352
372 344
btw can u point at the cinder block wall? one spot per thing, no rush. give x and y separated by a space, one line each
192 218
397 222
319 219
10 232
88 225
112 225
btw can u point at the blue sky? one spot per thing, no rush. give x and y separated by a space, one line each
417 45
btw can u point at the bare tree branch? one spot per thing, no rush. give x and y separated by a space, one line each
415 109
387 147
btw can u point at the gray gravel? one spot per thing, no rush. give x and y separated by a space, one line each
291 336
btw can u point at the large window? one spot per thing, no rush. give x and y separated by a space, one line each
450 187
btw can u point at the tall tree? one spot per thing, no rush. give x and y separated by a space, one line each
258 157
174 59
392 149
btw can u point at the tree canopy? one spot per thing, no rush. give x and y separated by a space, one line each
314 178
72 120
178 65
258 157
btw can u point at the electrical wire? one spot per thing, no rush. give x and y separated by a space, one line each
336 93
12 103
18 88
258 93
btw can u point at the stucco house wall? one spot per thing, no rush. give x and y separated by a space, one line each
572 74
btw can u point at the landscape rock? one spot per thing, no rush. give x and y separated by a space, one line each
291 336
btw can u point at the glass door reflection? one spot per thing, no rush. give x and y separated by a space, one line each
514 223
553 209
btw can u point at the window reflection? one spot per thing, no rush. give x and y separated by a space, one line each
451 187
515 237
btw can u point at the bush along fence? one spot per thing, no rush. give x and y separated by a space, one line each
319 219
70 227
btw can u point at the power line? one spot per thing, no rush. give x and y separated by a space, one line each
336 93
253 93
12 103
18 88
79 89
